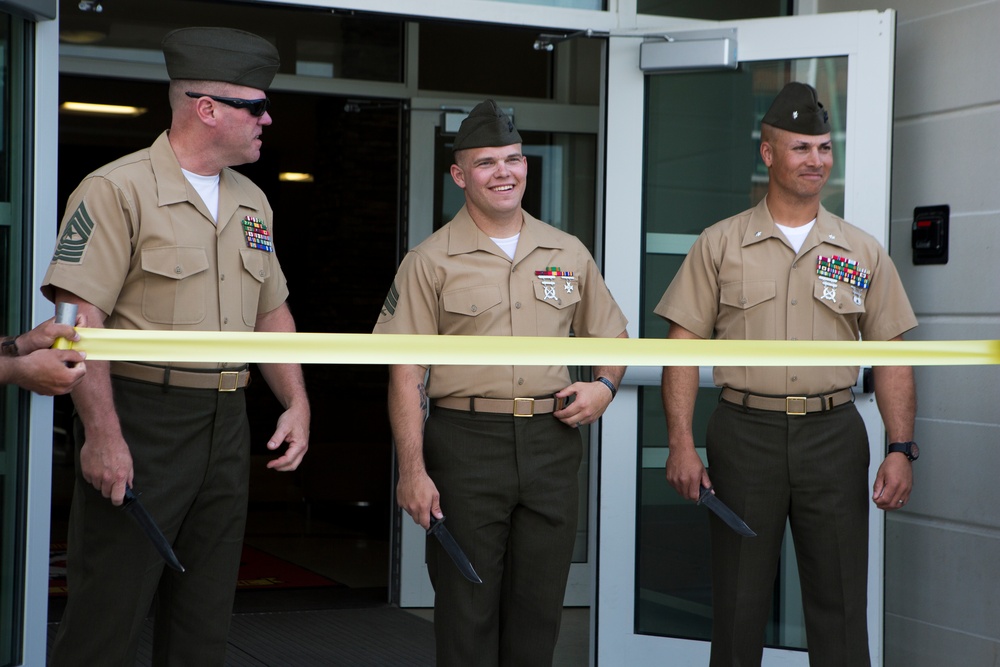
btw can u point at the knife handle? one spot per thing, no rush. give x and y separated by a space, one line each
435 522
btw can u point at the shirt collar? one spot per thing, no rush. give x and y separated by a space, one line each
828 229
172 187
465 237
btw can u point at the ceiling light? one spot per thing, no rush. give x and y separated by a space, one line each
89 109
295 177
82 36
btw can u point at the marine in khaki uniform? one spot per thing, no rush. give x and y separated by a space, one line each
788 443
171 238
498 453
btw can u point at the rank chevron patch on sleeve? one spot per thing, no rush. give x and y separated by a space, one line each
391 299
75 237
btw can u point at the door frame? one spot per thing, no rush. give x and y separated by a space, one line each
867 38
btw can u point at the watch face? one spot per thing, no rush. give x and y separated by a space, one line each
913 452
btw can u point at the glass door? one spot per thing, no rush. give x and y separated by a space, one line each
698 163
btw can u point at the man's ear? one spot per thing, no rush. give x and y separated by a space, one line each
766 153
458 176
205 109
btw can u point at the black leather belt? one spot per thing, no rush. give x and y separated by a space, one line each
790 405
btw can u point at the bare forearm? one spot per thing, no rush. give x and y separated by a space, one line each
679 391
896 394
93 397
408 406
613 373
285 380
287 384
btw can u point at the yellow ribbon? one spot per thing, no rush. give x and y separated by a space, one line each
317 348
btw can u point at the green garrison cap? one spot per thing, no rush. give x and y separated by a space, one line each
486 126
220 54
797 109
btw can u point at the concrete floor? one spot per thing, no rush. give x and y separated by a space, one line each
573 647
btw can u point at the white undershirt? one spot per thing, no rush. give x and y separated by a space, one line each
208 188
796 235
508 245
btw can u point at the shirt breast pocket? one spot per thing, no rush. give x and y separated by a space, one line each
557 295
256 270
746 310
175 280
465 307
840 299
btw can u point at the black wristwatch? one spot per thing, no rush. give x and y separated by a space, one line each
909 449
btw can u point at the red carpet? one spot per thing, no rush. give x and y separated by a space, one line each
258 571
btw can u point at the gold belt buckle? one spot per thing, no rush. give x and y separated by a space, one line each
795 405
520 411
229 380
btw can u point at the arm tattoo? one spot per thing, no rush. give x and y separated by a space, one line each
423 401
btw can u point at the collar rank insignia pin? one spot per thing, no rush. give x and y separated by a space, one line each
257 235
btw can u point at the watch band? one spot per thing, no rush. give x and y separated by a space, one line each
8 347
610 385
908 449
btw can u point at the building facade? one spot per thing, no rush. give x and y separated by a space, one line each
364 103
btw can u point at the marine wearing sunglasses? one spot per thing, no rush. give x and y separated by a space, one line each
255 107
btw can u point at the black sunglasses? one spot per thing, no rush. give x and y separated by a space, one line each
255 107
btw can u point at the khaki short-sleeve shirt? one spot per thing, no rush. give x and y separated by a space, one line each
458 282
138 242
742 281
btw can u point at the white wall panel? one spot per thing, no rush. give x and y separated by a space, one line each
907 10
948 61
960 393
910 643
945 578
947 159
967 284
954 489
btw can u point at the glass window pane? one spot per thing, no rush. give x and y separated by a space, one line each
525 72
717 10
5 66
703 165
311 42
572 4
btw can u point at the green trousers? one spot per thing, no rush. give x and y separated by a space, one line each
509 492
191 452
812 471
